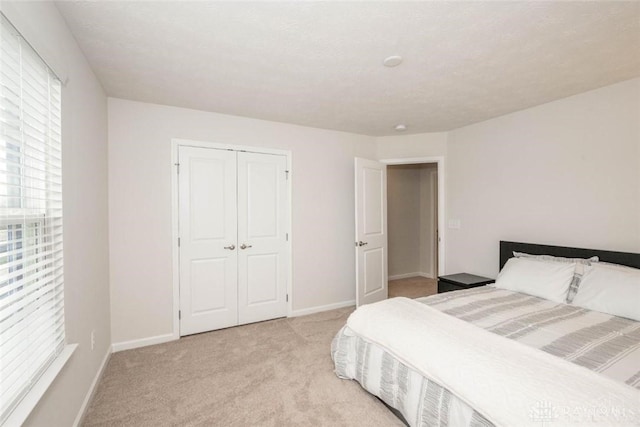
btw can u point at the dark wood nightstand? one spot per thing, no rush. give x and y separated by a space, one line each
457 282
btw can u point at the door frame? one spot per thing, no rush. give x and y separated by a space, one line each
441 199
176 143
434 177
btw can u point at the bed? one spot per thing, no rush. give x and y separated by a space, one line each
493 356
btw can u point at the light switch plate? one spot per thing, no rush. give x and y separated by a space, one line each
454 224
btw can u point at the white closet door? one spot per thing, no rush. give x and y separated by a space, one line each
208 239
262 222
371 231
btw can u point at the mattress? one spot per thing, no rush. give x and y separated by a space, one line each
603 343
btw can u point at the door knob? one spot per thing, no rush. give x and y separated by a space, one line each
243 246
361 243
232 247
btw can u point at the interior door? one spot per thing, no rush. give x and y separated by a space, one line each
208 238
371 231
262 237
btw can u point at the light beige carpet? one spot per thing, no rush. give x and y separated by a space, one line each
413 287
276 373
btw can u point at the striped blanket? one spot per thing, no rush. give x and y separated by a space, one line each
602 343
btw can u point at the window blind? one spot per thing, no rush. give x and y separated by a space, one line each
31 273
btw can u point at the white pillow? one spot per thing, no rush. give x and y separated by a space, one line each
616 266
548 280
577 274
610 290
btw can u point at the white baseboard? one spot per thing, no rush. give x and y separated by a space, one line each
407 275
320 308
92 389
403 276
143 342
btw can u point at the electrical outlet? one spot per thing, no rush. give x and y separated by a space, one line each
93 339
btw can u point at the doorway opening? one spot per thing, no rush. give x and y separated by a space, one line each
412 222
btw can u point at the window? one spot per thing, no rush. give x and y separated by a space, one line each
31 276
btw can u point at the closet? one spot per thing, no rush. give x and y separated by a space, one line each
233 240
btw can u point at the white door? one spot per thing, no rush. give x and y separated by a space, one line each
371 231
262 237
208 239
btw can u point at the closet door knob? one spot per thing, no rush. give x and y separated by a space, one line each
361 243
243 246
232 247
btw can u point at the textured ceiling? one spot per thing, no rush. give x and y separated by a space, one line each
320 63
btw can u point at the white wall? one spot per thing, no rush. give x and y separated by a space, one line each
84 168
561 173
140 207
416 145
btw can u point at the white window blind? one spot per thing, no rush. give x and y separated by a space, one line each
31 279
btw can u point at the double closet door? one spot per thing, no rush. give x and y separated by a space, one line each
233 216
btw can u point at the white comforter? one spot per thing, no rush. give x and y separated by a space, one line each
502 379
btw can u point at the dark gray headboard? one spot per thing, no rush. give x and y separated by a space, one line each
623 258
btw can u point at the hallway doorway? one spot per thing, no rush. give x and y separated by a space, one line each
412 206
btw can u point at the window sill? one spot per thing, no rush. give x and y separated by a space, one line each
26 405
